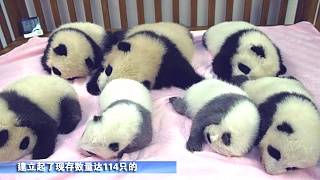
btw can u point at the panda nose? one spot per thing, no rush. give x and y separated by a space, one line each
243 68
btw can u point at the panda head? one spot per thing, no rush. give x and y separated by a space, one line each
15 141
127 60
235 134
292 141
108 134
257 57
70 54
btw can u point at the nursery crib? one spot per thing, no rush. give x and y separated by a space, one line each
292 24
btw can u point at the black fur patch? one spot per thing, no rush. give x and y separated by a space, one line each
291 168
208 138
56 71
114 147
124 46
97 51
175 70
24 143
226 138
282 67
239 80
108 70
285 127
32 116
92 86
268 108
4 136
259 50
97 118
89 63
70 115
204 39
273 152
91 153
147 84
243 68
61 50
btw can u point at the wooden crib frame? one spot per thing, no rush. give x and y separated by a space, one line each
17 9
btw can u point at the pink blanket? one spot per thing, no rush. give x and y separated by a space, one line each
300 45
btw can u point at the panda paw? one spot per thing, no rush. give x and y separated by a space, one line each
194 145
93 89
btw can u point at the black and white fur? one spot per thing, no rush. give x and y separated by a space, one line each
75 49
124 124
155 54
33 111
221 114
240 48
290 123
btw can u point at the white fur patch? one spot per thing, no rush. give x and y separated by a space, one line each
201 93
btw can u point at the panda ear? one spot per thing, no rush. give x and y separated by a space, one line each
283 69
259 50
124 46
60 50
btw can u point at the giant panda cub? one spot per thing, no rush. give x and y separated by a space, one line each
123 124
75 49
290 123
157 55
33 111
222 115
240 48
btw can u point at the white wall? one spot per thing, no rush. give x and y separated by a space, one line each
166 15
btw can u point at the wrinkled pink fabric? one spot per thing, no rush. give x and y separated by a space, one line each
300 46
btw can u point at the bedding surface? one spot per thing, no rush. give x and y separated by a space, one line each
300 46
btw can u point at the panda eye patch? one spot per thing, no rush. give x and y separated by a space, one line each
96 118
114 147
208 138
25 143
243 68
226 138
4 136
291 168
273 152
91 153
56 71
124 46
258 50
108 70
285 127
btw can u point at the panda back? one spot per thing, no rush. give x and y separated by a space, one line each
260 89
176 33
95 31
216 35
125 89
44 91
201 93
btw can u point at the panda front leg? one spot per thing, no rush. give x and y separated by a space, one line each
196 138
70 115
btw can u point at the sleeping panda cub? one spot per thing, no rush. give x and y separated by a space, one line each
155 54
124 123
290 123
33 111
240 48
222 115
75 49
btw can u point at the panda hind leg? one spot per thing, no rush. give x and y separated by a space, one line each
70 115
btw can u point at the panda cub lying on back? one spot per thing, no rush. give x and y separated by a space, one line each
124 123
222 114
156 54
240 48
290 123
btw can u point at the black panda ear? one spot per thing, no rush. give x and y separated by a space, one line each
60 50
124 46
259 50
